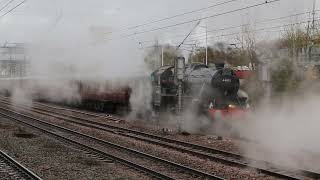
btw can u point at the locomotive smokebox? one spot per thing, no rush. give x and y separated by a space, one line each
226 81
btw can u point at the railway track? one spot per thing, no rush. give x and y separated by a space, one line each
185 147
11 169
96 115
69 136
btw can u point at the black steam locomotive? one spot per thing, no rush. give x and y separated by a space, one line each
205 90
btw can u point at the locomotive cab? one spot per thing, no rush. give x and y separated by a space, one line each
164 89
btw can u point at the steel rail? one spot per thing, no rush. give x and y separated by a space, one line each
91 150
190 148
208 153
191 171
21 170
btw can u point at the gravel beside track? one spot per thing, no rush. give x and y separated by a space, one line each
175 170
52 160
159 151
193 154
207 166
12 169
224 157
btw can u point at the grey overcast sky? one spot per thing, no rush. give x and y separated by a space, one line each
37 17
77 29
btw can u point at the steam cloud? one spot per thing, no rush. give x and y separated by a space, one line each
286 131
78 50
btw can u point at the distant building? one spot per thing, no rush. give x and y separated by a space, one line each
13 61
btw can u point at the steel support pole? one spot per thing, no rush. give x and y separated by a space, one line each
206 44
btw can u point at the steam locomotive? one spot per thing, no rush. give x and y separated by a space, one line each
211 91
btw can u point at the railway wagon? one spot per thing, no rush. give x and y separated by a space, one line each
104 97
100 96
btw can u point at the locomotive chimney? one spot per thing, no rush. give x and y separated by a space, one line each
219 65
179 68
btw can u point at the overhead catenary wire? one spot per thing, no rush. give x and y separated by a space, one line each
232 34
272 27
188 34
198 19
237 43
258 22
236 33
6 5
241 25
1 16
182 49
177 15
256 30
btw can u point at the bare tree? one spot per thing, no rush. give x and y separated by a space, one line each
296 40
221 52
247 40
153 55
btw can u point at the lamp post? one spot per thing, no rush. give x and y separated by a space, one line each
162 55
206 45
206 27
